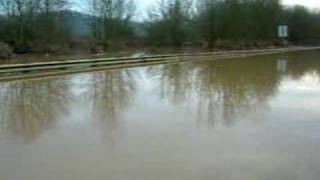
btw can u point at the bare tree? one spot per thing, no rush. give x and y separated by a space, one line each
29 21
170 17
111 20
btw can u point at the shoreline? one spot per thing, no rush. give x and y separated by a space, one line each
22 71
126 52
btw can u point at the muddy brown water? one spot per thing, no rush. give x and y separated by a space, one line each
254 118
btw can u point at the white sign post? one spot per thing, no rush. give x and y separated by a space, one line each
282 31
283 34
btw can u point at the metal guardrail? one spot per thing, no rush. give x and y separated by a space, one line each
13 70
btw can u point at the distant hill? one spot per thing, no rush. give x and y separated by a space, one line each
79 23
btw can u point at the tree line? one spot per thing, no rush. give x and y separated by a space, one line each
45 25
28 24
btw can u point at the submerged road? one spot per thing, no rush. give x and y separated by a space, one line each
250 119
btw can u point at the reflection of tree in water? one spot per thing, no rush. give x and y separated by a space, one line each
175 81
300 63
109 94
222 89
28 108
233 88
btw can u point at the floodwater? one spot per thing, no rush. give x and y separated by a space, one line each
253 118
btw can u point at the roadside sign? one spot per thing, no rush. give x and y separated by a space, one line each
282 31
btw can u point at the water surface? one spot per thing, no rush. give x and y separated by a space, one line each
239 119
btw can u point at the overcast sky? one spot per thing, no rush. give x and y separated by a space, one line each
143 4
309 3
